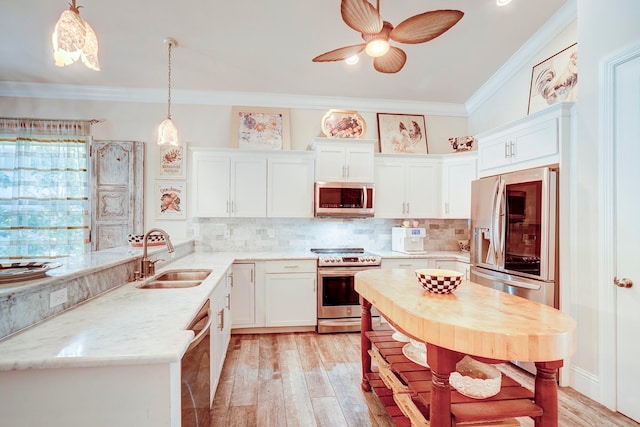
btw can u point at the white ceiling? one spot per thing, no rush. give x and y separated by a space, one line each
266 46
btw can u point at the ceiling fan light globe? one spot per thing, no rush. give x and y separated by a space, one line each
352 60
503 2
377 47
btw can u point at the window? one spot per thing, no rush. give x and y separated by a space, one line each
44 204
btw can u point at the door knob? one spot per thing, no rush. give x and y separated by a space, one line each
622 283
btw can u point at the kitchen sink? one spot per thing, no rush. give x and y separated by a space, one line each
184 275
187 278
170 284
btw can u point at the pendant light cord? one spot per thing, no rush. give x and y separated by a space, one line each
169 85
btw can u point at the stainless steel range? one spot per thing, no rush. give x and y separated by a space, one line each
338 303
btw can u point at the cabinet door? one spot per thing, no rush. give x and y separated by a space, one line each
447 264
494 152
390 188
330 162
216 336
423 189
290 299
243 313
359 162
536 141
463 267
456 188
249 187
290 188
210 182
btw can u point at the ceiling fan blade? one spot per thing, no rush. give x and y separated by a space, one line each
425 26
361 16
391 62
340 54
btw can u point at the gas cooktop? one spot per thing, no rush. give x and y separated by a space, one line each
340 257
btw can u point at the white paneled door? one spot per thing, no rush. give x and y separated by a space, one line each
627 208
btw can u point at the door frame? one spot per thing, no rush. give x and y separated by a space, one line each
606 189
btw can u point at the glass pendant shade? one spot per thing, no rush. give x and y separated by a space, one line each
74 39
167 133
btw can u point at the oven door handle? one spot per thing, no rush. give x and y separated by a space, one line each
343 271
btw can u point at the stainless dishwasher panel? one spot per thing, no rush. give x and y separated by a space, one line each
196 372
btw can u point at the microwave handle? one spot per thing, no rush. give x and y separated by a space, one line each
364 196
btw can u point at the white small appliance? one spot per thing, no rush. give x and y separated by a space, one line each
408 240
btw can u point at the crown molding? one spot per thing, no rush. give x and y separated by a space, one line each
224 98
567 14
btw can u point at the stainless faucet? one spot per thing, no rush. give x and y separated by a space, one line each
147 267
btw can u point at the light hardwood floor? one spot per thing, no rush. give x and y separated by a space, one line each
308 379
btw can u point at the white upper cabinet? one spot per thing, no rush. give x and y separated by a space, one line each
458 171
407 188
344 160
229 184
290 186
532 141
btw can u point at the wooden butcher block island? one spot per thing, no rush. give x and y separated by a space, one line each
489 325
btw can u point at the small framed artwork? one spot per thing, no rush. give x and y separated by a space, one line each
343 124
402 133
554 80
170 200
171 162
260 128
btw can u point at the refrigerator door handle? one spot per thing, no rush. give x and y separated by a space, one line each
496 236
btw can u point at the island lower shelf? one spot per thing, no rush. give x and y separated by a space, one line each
404 388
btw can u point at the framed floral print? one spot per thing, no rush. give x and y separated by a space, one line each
554 80
402 133
260 128
170 199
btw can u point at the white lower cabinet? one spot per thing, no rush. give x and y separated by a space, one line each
290 293
455 265
220 301
243 295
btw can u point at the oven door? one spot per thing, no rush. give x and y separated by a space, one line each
337 297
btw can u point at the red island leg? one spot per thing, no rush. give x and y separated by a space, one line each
442 363
546 392
365 343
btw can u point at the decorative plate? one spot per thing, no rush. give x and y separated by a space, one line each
414 354
343 124
20 271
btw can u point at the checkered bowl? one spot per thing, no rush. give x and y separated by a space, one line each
439 281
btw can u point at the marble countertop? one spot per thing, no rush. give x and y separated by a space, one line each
128 325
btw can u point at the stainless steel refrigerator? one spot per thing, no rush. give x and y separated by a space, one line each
514 237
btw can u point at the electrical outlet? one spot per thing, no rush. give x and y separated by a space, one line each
57 297
271 233
227 234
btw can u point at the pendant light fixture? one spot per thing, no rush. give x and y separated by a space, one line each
167 132
74 39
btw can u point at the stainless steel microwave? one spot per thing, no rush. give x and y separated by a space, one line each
344 199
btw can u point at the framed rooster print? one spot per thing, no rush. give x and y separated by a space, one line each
402 133
554 80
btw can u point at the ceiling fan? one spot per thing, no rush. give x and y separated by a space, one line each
363 17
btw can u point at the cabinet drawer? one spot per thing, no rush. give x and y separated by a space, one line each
291 266
406 263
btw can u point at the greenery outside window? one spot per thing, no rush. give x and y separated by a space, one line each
44 203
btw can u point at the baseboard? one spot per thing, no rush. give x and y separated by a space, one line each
585 383
273 330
